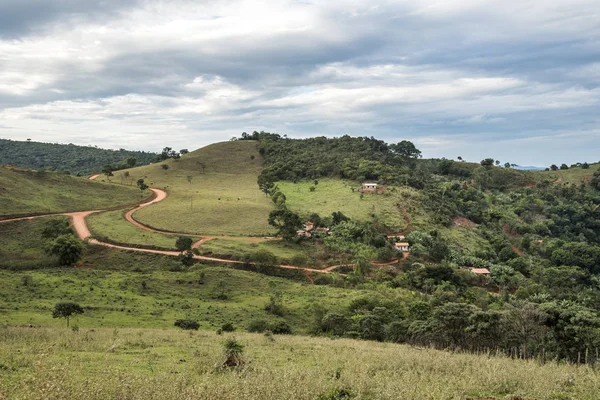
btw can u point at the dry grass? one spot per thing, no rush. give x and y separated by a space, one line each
168 364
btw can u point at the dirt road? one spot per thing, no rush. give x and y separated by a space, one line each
83 232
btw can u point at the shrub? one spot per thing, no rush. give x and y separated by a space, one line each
337 394
257 326
187 324
227 327
281 328
233 352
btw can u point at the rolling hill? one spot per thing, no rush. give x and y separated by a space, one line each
30 192
219 198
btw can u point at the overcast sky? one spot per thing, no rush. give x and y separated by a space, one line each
514 80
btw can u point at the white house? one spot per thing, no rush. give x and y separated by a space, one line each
369 187
401 246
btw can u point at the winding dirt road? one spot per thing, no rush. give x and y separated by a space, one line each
83 232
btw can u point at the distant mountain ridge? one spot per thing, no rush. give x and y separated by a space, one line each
74 159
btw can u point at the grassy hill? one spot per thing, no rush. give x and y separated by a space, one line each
83 160
571 175
25 192
55 363
221 199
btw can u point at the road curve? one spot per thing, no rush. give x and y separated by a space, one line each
83 232
81 229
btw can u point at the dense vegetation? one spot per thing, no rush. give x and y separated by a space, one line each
76 160
539 238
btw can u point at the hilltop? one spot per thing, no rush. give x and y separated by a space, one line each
76 160
211 191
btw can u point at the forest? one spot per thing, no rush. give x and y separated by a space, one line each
68 158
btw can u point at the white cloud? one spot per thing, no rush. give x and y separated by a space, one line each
445 74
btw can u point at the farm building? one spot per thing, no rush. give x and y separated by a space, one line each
401 246
304 233
480 271
308 226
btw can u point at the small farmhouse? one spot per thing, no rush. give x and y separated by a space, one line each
308 226
479 271
369 188
401 246
303 233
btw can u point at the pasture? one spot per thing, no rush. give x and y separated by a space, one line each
212 191
146 364
26 192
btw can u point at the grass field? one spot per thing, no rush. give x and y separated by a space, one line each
112 225
571 175
24 192
240 249
145 364
222 198
332 195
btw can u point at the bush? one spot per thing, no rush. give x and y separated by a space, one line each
281 328
227 327
184 243
337 394
257 326
187 324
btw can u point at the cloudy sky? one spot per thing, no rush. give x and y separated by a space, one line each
514 80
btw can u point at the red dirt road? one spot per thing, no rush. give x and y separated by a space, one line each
83 232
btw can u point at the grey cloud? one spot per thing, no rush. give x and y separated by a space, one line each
22 17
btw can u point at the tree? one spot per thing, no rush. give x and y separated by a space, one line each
184 243
187 324
286 222
585 165
66 310
497 162
265 184
362 266
488 162
165 166
506 165
553 167
141 185
56 227
406 149
108 171
183 152
564 166
131 162
67 247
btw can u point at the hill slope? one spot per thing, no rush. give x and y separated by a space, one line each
27 192
155 364
83 160
221 197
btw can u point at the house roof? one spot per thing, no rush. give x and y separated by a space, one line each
480 271
402 244
369 184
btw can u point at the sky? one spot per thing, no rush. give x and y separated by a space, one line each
517 81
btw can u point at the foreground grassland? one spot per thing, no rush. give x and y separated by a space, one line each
112 225
55 363
222 198
24 192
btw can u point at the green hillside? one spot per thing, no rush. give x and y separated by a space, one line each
221 199
77 160
26 192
